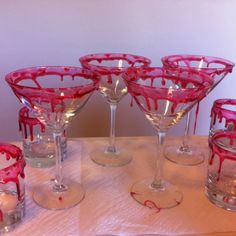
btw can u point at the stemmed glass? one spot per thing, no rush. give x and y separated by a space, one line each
217 68
164 96
55 95
110 67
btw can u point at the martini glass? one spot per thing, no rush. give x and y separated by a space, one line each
164 97
217 68
110 67
55 95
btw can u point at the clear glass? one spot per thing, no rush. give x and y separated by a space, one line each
12 188
55 95
110 67
223 116
37 141
164 97
217 68
221 178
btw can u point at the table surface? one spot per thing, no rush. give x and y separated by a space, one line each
108 208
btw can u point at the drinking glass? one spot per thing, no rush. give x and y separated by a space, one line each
221 178
12 188
223 116
220 182
37 141
164 96
55 94
110 67
217 68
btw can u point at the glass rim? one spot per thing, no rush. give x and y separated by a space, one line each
30 71
86 59
205 84
224 101
228 64
12 152
223 134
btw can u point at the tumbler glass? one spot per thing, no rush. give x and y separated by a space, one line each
221 175
38 142
12 188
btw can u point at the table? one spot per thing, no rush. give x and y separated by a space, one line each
108 209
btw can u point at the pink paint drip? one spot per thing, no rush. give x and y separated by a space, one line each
200 84
25 120
54 97
131 102
218 112
207 63
11 173
109 79
89 62
196 116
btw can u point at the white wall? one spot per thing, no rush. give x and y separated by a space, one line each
58 32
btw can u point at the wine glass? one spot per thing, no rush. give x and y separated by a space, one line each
110 67
164 96
217 68
55 95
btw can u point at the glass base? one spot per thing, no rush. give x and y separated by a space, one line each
221 192
167 197
221 200
113 159
46 197
11 220
190 156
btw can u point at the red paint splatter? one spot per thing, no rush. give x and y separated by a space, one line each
148 203
133 194
152 205
177 202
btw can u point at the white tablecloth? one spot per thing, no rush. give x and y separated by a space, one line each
108 208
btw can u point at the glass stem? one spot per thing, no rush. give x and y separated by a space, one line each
158 180
112 147
59 186
185 147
